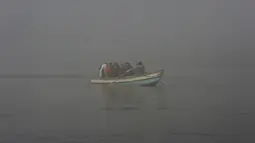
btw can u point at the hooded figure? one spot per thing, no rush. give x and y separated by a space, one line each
101 71
116 69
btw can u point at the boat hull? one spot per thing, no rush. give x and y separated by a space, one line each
150 79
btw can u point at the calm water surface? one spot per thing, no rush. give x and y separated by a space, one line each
183 109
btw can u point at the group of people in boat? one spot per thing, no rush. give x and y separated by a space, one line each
111 70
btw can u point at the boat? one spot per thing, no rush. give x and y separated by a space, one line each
148 79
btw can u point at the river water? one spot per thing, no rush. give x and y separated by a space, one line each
181 109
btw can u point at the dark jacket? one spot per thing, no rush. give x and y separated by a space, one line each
139 70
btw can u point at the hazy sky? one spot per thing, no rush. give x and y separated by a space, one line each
64 36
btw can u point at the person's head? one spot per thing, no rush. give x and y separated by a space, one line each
139 63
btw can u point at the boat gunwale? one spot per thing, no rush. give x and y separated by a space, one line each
120 82
157 74
160 72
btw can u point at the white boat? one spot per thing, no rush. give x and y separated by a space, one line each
148 79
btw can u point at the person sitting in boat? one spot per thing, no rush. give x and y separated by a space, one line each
110 70
139 68
116 69
101 71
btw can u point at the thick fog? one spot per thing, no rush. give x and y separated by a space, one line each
75 37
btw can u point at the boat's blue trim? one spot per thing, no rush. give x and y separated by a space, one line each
143 81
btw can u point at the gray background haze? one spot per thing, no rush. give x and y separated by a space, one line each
68 37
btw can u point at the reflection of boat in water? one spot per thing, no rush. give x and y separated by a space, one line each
120 97
129 108
133 98
149 79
